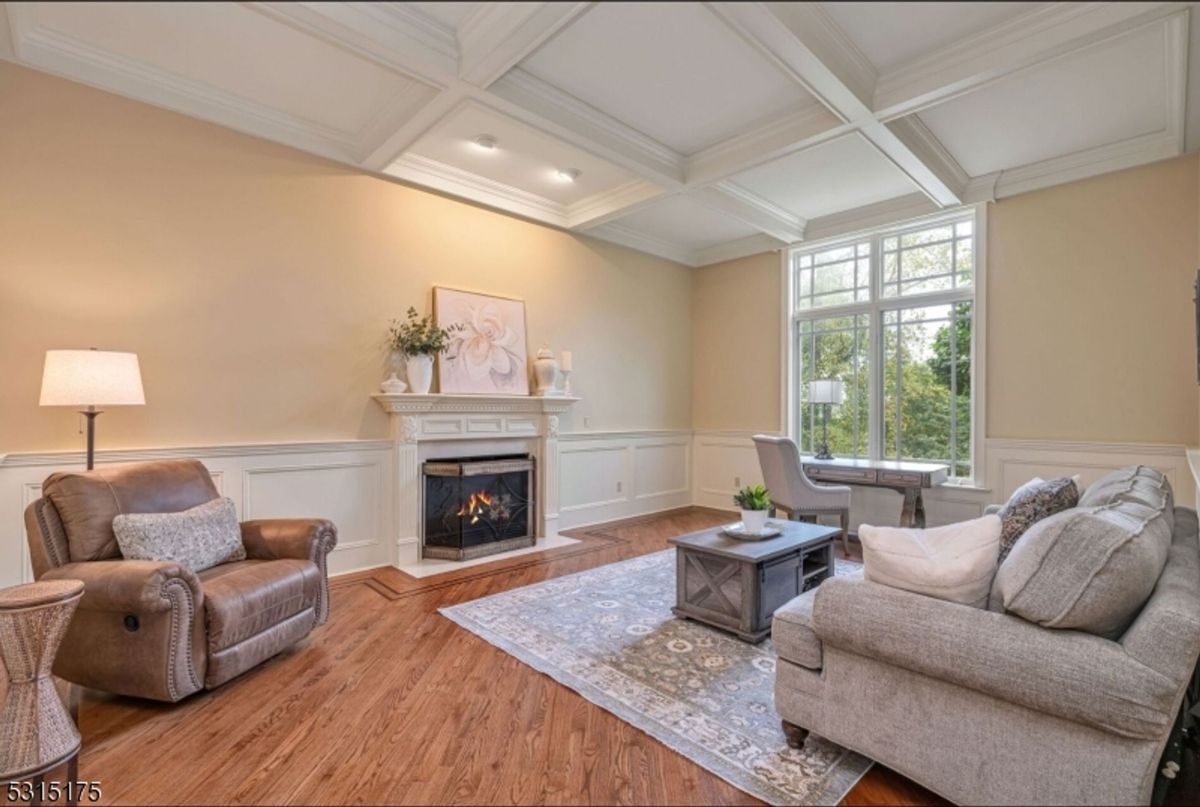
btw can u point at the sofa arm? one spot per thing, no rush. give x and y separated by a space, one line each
299 538
129 586
1077 676
993 509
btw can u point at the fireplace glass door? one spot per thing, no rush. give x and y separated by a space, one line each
477 506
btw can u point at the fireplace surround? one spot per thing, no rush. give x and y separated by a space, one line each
476 506
436 426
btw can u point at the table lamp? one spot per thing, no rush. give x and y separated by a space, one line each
826 392
91 378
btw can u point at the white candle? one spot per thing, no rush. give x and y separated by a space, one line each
565 364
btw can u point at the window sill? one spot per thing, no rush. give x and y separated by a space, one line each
966 484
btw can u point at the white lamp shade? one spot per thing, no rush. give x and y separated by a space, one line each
826 391
91 378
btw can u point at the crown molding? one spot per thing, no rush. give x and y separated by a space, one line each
608 205
889 211
741 248
457 182
1083 164
1034 37
627 237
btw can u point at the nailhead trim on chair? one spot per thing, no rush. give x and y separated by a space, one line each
324 543
173 590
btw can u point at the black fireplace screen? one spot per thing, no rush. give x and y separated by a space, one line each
475 502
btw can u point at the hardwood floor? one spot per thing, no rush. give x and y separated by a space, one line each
392 703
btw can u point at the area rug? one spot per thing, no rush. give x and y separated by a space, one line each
608 633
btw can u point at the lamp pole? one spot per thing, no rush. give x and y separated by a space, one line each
90 413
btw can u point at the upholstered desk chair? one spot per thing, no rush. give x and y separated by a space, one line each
793 491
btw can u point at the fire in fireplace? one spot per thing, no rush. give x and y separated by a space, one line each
477 506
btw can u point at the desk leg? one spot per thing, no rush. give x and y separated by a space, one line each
908 513
919 511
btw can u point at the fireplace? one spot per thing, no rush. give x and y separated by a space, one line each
477 506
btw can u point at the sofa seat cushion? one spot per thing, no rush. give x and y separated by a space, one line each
792 632
1088 568
245 598
88 501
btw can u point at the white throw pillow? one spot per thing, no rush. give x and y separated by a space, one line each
956 562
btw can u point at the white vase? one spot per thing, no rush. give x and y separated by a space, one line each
419 371
545 372
755 521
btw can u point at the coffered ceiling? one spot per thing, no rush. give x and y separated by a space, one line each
694 131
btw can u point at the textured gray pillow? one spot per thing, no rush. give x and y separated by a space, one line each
1139 484
196 539
1088 568
1029 504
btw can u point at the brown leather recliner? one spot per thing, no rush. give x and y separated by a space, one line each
154 629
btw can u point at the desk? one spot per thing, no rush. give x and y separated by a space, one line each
906 478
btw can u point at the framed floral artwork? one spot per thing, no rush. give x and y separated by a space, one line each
487 354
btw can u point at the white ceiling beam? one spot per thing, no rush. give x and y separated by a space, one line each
800 39
752 210
387 33
496 36
387 150
1037 36
605 207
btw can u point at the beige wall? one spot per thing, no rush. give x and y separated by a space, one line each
1090 331
256 282
736 338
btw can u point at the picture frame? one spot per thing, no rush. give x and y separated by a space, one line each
488 352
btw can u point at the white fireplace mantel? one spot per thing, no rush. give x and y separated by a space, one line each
421 419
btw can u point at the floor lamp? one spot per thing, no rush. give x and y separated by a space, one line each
91 378
827 393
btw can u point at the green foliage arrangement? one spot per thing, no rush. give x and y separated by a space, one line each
418 336
753 497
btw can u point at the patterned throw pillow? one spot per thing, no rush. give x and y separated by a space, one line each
196 539
1030 503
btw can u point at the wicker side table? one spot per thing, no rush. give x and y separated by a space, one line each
36 733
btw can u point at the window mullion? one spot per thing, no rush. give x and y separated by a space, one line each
875 430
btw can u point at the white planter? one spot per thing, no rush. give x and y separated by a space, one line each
754 521
419 371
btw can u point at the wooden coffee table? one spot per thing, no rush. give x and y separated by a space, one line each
737 585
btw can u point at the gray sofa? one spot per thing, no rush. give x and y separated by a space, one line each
1059 705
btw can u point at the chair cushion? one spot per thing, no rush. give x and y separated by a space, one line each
955 562
88 501
792 632
197 539
1036 499
243 599
1088 568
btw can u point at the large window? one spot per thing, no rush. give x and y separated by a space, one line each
892 315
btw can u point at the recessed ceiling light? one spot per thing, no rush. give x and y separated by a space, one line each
569 174
484 142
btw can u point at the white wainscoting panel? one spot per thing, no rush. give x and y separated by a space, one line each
609 475
347 482
722 459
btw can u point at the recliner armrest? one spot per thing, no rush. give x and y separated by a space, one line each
1069 674
300 538
128 586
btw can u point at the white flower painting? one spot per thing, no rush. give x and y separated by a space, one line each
487 352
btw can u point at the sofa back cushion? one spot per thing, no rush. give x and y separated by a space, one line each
88 501
1092 568
197 539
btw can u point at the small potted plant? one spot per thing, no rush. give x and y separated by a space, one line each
755 503
418 340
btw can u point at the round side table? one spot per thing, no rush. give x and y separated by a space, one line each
36 733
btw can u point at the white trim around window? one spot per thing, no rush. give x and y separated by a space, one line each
875 307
